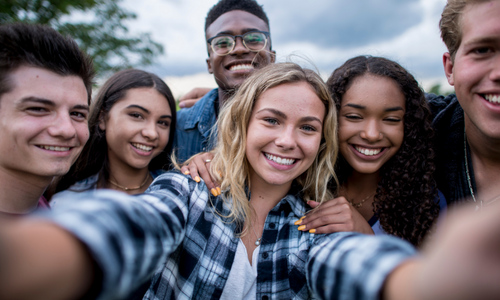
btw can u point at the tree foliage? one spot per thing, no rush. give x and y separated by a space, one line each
98 26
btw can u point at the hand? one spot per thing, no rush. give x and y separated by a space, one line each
462 261
191 97
333 216
199 165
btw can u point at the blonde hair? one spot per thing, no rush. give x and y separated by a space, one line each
230 166
450 23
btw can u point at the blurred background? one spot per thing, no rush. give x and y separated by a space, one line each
167 36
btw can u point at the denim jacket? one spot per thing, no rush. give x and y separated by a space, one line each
194 127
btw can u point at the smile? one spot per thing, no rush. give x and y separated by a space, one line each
280 160
55 148
493 98
368 152
142 147
241 67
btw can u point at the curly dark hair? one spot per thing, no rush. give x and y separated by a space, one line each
405 199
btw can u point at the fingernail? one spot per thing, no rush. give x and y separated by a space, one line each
302 218
182 104
301 227
186 172
312 231
298 222
214 192
197 179
218 190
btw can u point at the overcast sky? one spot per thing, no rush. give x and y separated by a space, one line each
325 32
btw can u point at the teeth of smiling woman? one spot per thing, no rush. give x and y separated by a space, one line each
368 152
142 147
55 148
492 98
279 160
241 67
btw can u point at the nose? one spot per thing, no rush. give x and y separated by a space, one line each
371 131
149 131
286 139
62 126
239 47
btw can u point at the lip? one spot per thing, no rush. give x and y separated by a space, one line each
367 157
276 165
490 106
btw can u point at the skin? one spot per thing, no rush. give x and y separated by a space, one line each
371 131
43 121
136 132
236 22
286 122
475 73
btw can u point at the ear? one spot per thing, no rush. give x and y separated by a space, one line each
102 122
209 65
273 56
448 68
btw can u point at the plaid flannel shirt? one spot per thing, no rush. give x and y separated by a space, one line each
176 228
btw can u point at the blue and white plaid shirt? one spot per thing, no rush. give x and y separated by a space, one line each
176 228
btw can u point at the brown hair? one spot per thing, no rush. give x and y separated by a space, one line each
450 23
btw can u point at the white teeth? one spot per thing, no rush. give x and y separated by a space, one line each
368 152
142 147
279 160
55 148
492 98
241 67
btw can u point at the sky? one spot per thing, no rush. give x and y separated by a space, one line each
319 34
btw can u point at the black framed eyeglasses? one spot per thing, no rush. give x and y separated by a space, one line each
223 44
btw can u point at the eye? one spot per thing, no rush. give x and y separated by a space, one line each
164 123
271 121
393 120
37 109
136 115
79 115
223 42
481 50
353 117
308 128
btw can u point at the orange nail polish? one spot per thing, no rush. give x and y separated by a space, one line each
186 172
218 190
312 231
214 192
197 179
298 222
302 227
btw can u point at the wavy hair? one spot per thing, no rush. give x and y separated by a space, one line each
229 154
94 156
405 199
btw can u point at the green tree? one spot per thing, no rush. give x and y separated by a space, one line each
98 26
438 90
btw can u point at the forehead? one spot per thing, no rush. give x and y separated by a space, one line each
146 97
34 82
374 92
481 20
236 22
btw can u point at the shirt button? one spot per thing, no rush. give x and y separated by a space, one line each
265 255
265 297
272 225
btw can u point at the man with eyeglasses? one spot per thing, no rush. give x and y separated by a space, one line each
238 42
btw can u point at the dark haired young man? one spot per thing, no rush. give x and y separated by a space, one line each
238 42
45 89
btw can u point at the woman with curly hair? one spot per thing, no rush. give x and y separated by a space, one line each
385 166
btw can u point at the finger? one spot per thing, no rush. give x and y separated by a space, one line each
202 164
185 170
326 220
341 227
312 203
188 102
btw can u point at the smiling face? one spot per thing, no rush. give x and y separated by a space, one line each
231 70
43 121
284 134
475 71
137 128
371 127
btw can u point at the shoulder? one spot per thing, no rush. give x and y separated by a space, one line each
189 116
87 184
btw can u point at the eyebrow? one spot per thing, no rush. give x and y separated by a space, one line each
282 115
147 111
50 102
395 108
244 30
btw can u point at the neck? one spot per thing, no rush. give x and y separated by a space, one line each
359 184
20 192
224 95
135 180
485 160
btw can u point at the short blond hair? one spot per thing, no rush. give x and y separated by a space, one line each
229 154
450 23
